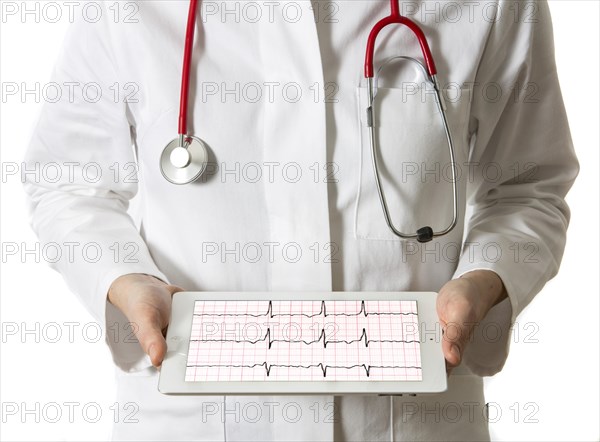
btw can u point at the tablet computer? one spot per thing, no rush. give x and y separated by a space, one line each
236 343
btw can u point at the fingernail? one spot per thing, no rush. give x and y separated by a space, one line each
152 352
455 352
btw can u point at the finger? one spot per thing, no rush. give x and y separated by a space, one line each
452 353
150 335
157 351
455 339
456 329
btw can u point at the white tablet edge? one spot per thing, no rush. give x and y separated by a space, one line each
172 373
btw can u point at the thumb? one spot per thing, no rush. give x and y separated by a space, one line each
456 335
452 352
148 330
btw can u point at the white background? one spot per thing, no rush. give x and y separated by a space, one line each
548 389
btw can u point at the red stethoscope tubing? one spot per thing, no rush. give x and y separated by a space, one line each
187 63
396 18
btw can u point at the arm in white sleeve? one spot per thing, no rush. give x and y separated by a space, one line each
86 136
519 218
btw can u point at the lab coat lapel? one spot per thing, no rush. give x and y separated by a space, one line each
295 142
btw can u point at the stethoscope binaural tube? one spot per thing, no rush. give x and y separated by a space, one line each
185 158
426 233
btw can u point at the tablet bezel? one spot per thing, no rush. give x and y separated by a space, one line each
172 373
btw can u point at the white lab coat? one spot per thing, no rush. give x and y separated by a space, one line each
290 201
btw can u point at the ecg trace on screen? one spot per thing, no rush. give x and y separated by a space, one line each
297 340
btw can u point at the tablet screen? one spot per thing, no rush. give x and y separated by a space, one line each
300 340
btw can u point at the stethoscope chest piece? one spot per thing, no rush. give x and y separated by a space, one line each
183 163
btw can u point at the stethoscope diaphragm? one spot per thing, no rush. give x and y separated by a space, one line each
184 164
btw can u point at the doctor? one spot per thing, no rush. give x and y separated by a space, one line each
288 201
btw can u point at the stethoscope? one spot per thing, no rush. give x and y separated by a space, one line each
185 158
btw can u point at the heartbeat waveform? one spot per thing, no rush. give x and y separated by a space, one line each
323 368
267 337
323 312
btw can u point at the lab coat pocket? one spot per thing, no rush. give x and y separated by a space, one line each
413 158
